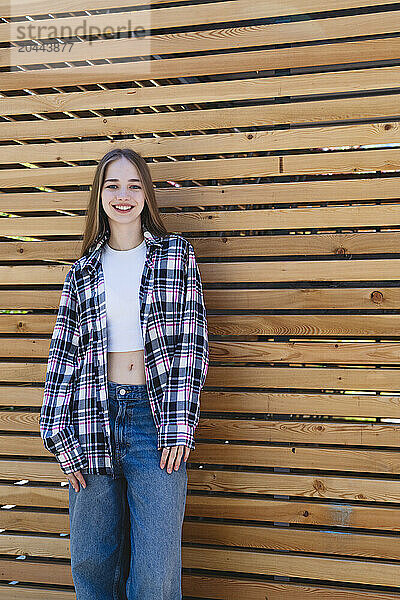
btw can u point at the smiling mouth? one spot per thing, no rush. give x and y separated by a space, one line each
122 208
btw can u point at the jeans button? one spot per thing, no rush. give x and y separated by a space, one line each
122 392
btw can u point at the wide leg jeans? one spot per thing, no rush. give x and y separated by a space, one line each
126 531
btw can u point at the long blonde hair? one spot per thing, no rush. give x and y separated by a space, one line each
96 224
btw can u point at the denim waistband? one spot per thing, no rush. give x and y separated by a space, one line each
124 391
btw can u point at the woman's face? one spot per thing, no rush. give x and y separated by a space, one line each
122 187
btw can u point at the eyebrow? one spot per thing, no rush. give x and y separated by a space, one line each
118 180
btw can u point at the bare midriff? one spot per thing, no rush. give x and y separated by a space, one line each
126 367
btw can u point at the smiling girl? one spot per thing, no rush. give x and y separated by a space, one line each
128 358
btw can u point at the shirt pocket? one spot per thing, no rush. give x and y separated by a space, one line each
86 346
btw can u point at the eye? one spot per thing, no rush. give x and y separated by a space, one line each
113 185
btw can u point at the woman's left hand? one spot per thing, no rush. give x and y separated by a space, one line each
173 454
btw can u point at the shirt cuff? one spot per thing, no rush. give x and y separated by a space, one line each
67 450
175 434
72 460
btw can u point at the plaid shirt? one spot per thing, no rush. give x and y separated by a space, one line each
74 418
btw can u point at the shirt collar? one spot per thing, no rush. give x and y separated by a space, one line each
92 259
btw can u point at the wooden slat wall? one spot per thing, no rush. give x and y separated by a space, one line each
294 486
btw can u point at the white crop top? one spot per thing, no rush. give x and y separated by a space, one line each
122 274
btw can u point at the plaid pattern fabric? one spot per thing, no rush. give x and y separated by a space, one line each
74 418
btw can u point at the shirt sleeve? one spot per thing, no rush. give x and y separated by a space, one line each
188 370
55 425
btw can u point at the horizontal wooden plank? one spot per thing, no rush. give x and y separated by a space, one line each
238 272
225 588
351 353
238 588
35 496
286 539
23 395
326 378
283 565
301 245
309 192
36 572
300 432
42 7
43 521
327 244
56 497
34 545
357 433
20 592
296 511
30 300
299 326
245 37
357 353
242 299
382 78
278 140
291 325
264 538
289 271
24 348
354 162
295 457
357 571
301 56
306 486
261 220
162 18
363 489
345 405
272 9
322 378
382 106
301 298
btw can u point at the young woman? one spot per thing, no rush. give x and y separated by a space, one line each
128 358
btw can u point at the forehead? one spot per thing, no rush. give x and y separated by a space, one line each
122 169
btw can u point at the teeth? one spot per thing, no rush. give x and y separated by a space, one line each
123 207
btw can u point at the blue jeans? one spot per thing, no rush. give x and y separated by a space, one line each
126 531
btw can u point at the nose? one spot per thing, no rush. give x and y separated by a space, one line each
123 195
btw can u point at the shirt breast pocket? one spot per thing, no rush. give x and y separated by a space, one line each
87 343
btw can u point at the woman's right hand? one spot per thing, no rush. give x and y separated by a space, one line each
74 479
